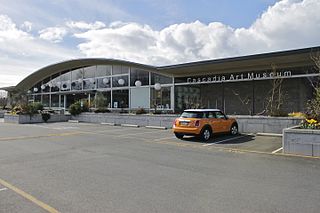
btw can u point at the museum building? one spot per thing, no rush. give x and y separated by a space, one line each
239 85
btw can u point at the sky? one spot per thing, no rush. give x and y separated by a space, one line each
37 33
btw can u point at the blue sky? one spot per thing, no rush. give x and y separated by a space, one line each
36 33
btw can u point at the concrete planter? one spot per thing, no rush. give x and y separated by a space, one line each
26 119
118 119
301 141
249 124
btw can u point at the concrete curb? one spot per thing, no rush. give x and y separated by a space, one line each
73 121
109 124
156 127
269 134
130 125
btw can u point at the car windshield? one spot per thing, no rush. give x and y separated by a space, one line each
192 115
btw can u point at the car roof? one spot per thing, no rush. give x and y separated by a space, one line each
202 110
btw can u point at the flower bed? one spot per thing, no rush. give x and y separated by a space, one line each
37 118
301 141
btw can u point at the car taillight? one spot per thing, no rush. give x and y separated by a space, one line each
197 123
174 122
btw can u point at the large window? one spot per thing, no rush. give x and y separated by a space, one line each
54 100
139 75
104 82
160 99
120 98
89 72
65 82
120 81
103 70
118 70
46 100
156 78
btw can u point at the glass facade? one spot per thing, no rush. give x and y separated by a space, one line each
133 87
124 87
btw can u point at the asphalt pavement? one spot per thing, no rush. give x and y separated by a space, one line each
78 167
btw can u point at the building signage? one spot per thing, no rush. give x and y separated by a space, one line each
240 77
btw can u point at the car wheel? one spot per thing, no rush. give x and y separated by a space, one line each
206 134
178 135
234 129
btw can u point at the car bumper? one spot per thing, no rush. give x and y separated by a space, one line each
186 131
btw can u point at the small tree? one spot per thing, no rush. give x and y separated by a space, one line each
276 96
3 102
100 100
313 105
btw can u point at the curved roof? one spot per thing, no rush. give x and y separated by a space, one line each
282 59
69 65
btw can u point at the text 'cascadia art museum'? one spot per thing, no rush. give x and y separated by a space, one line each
240 85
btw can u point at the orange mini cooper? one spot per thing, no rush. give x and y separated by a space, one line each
203 123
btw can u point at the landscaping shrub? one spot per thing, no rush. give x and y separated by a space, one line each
75 108
45 116
140 111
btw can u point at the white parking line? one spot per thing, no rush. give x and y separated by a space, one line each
277 150
229 139
3 189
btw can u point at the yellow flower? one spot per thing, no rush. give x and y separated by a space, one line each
311 121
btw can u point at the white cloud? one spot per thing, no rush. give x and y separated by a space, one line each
21 53
9 31
27 26
81 25
53 34
288 24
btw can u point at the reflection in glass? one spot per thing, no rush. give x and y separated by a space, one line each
118 70
120 99
139 75
104 82
54 100
89 84
160 99
89 72
156 78
46 100
103 70
120 81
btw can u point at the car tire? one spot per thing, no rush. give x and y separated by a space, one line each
206 134
178 135
234 129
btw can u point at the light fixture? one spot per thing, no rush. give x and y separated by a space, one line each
157 86
35 89
138 83
29 91
106 81
43 86
121 81
50 84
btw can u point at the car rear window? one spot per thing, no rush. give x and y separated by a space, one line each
192 115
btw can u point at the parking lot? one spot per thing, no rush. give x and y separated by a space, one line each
80 167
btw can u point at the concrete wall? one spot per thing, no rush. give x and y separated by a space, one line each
249 124
265 124
26 119
301 141
141 120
